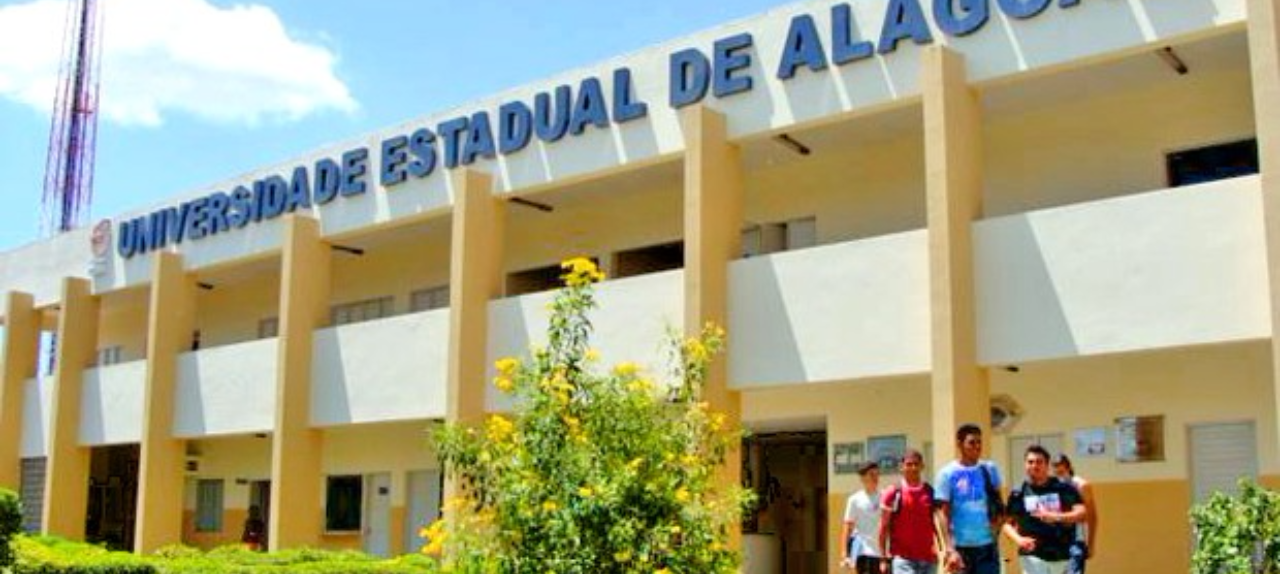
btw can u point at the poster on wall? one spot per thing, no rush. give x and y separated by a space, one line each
847 457
1140 438
1091 442
887 451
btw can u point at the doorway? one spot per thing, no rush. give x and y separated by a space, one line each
423 503
260 497
113 496
788 528
377 514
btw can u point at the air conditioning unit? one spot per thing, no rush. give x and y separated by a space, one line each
191 465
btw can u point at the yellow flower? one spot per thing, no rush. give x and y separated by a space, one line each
625 369
592 354
504 384
682 495
717 421
675 529
585 491
580 271
622 556
635 463
550 506
663 571
506 365
695 351
499 428
689 459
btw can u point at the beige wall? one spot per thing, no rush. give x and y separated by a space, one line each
230 312
397 265
1110 143
123 322
599 219
396 448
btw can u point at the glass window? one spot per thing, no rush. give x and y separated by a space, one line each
364 310
109 355
343 495
209 505
1209 163
268 327
429 298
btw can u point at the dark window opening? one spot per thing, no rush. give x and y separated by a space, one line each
537 279
342 503
650 259
1210 163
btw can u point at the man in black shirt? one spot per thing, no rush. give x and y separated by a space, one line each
1042 517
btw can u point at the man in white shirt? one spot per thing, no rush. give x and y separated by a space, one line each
861 549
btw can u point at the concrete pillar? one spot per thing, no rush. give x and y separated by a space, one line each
66 489
297 513
161 487
475 278
713 198
953 181
19 358
1264 59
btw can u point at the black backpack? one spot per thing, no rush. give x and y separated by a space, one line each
995 505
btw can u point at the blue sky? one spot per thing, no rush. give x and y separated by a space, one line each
197 91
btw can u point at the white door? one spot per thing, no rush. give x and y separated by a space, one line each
423 506
1221 453
377 514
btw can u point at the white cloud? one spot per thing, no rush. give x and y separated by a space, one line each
227 65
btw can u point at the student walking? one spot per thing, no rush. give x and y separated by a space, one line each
970 506
1087 532
907 521
1043 514
861 532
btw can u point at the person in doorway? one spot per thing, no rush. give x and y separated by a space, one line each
1043 514
907 522
1086 532
970 506
255 530
861 532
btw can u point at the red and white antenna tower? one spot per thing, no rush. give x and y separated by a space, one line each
68 175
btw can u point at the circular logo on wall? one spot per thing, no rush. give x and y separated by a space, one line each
101 238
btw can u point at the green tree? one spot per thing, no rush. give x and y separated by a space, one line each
10 524
595 470
1238 534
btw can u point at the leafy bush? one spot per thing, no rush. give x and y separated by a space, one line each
56 555
593 472
238 559
48 554
1238 534
10 524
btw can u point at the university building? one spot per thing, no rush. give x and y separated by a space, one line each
1058 218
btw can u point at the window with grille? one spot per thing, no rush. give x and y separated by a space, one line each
364 310
429 298
209 505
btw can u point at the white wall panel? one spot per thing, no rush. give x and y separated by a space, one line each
228 389
112 403
37 405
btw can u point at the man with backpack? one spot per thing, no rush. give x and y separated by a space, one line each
1043 514
906 521
970 506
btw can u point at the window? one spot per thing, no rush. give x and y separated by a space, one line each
364 310
770 237
536 280
1209 163
109 355
650 259
32 490
429 298
343 495
209 505
268 327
